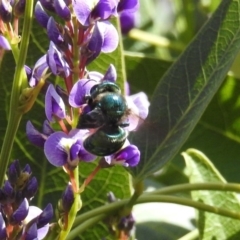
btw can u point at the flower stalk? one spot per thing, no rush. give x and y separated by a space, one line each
19 83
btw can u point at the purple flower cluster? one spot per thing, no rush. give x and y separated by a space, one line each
86 33
18 220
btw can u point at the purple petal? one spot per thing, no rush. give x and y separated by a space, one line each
56 62
5 11
33 213
4 43
141 101
41 15
31 188
126 88
55 148
80 90
45 217
67 198
130 154
47 130
14 172
79 136
3 232
21 213
74 150
111 37
96 42
48 4
31 233
54 105
128 5
94 75
82 10
28 71
104 9
34 136
38 70
128 21
111 74
8 189
62 10
55 35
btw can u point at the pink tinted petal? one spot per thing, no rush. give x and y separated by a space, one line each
141 101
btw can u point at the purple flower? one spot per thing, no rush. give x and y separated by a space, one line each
128 6
128 21
87 12
56 62
67 198
61 148
48 4
56 34
104 39
110 36
3 232
54 105
4 43
20 214
5 11
62 9
111 74
138 105
38 71
79 91
41 15
31 222
35 137
128 157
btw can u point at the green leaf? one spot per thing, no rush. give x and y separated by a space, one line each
212 226
141 71
217 133
187 88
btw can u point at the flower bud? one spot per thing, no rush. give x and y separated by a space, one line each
41 15
67 198
62 10
5 11
19 8
21 213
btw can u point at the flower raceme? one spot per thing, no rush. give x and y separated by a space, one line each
17 218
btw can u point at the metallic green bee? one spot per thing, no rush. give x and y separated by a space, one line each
107 112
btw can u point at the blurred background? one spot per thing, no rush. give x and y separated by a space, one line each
162 30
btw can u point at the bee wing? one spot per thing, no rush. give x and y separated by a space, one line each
138 110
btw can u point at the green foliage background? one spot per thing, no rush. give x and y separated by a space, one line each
189 75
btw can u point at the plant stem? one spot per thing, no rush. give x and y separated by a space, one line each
191 235
107 209
77 204
154 39
19 82
138 190
87 224
233 187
